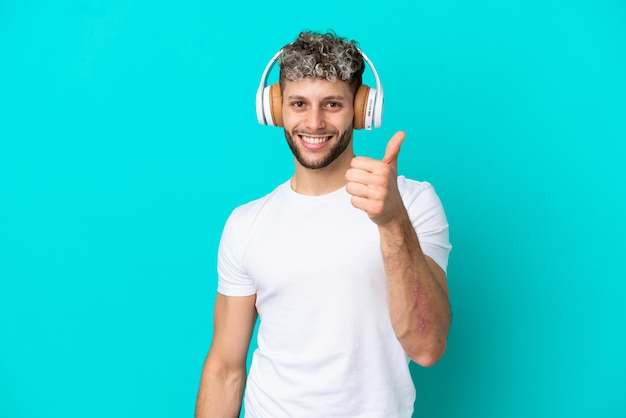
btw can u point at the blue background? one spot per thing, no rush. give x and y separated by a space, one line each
128 134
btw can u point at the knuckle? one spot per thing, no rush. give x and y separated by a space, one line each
380 181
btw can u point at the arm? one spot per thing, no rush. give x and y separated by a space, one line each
224 372
417 293
416 285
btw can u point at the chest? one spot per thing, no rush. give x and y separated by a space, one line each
328 251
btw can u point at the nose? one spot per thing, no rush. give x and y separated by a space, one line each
315 119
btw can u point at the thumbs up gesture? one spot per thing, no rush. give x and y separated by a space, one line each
373 184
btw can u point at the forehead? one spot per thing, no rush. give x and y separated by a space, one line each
317 88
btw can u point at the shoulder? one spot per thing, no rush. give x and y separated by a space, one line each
247 212
412 185
421 201
241 222
411 190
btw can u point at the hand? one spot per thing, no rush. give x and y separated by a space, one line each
373 184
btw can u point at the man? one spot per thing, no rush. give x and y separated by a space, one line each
344 264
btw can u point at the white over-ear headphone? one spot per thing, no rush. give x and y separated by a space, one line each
368 102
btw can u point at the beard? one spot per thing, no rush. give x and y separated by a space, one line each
337 149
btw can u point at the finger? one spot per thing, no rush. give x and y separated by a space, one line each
393 148
370 165
357 189
359 202
367 178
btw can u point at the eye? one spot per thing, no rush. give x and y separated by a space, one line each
297 104
333 105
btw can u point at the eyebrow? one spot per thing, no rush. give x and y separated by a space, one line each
337 98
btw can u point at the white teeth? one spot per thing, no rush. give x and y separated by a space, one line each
313 140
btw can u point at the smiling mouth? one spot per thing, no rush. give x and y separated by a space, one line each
315 140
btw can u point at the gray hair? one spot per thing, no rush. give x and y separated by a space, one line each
327 56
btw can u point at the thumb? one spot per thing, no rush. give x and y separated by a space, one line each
393 148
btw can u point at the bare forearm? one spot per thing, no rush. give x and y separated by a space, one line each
418 304
220 393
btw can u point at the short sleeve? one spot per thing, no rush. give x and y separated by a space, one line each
232 277
428 218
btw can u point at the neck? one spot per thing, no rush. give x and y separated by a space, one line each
322 180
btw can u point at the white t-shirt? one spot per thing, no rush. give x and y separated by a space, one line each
326 347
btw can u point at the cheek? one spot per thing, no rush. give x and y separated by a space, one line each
346 123
287 121
290 118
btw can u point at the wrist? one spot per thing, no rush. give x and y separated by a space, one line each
396 226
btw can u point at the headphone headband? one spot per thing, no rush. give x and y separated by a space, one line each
368 106
259 93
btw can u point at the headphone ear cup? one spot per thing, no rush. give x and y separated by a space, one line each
361 98
273 105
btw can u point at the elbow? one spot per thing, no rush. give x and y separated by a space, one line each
426 359
429 355
230 374
425 344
